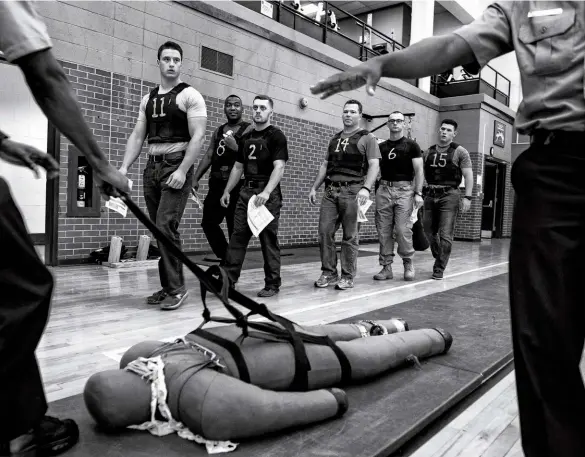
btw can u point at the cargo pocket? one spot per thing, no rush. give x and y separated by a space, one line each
549 42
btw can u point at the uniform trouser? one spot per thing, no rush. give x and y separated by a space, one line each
339 205
26 286
239 240
393 210
166 207
214 214
440 214
547 297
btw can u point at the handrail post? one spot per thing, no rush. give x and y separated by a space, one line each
326 6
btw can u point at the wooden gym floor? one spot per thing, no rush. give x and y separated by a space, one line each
98 312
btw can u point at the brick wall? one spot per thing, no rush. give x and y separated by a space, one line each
468 225
110 104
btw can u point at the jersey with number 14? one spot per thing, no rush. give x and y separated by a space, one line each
259 149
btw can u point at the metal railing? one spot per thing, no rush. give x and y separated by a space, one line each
489 82
370 42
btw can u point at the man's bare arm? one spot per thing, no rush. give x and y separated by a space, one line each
54 95
197 126
134 146
416 61
204 163
275 176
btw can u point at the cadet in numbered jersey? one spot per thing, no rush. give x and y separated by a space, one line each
399 192
221 156
349 172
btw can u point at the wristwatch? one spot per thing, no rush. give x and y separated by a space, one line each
418 193
369 190
3 136
468 197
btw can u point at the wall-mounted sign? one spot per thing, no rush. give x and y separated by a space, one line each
266 8
499 134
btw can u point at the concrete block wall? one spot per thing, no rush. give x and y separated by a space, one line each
109 52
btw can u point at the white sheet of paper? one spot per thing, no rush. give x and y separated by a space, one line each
414 215
362 211
115 204
258 218
195 197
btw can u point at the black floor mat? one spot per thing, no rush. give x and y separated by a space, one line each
383 414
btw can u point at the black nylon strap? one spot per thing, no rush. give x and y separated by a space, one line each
222 291
231 347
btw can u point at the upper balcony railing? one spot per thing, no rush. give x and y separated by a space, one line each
489 82
369 43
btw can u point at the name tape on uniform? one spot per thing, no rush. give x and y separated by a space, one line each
551 12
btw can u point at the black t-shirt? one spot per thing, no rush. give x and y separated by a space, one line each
259 149
396 163
223 158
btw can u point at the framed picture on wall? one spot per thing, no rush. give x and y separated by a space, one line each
499 134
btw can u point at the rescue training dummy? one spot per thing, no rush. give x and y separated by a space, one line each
224 386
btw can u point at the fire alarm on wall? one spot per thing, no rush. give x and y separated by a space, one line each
303 102
492 151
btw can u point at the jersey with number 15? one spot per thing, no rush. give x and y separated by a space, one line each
259 149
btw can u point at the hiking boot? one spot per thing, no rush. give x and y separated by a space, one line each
385 273
172 302
437 274
344 283
326 280
268 292
51 437
408 269
156 298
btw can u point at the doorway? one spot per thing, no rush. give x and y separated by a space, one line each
493 198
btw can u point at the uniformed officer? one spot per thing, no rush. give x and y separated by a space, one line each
397 195
221 156
548 229
173 116
262 155
349 171
445 164
25 282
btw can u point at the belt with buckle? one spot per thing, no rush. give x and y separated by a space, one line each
395 183
252 183
342 183
162 157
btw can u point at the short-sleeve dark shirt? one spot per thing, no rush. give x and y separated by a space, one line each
262 161
396 163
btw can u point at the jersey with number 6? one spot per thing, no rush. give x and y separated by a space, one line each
396 162
259 149
440 167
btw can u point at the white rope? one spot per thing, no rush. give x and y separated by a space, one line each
152 369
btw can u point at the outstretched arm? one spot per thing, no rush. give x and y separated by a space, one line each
416 61
54 95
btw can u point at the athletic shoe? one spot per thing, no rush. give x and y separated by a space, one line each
344 283
156 298
437 274
408 269
172 302
51 437
385 273
268 292
326 280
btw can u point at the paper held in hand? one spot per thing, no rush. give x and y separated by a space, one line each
362 211
118 205
258 217
195 197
